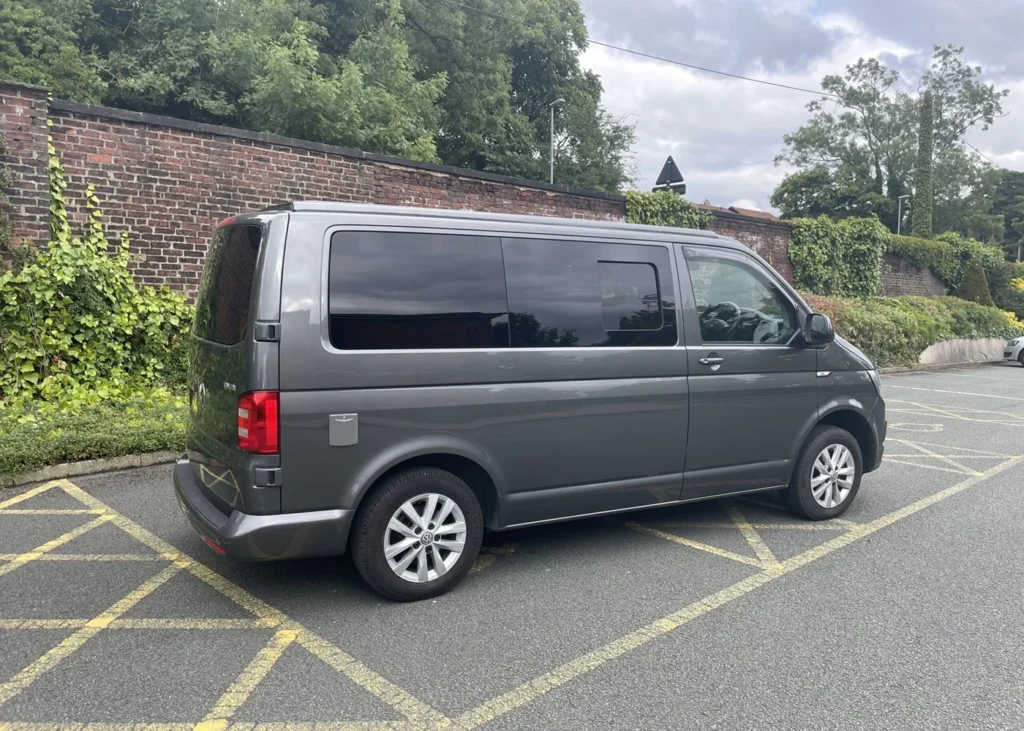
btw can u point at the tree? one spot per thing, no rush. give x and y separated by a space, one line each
1007 196
974 286
864 132
923 199
39 45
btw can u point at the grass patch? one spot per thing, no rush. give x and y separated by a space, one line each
34 435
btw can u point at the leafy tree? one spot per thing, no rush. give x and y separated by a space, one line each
864 132
924 199
974 287
1007 197
39 45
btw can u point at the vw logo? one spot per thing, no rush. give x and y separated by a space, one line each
427 538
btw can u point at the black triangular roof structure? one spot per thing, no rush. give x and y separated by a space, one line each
670 178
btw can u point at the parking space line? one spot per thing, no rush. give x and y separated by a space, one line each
831 525
760 548
141 623
531 690
50 511
12 624
27 495
324 726
243 686
32 726
715 550
89 557
36 553
70 644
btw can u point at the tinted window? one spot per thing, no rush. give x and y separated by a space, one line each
398 291
737 303
222 308
579 294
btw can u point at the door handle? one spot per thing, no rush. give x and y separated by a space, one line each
713 361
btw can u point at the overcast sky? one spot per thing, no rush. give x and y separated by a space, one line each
724 133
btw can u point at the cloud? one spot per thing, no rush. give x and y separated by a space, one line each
724 133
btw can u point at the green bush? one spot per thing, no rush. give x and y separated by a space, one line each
1006 282
838 257
974 287
947 255
894 331
664 208
74 325
36 435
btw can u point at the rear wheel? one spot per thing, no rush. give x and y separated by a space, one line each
417 534
827 475
1020 358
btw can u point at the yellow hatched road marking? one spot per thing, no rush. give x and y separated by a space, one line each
36 553
720 552
27 495
251 676
942 458
51 659
50 511
760 548
414 709
533 689
89 557
830 525
23 726
894 460
142 623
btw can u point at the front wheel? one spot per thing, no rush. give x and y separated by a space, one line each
827 474
417 534
1020 358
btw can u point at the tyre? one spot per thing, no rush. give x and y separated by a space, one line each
1020 357
827 475
417 534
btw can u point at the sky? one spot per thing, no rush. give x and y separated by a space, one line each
724 134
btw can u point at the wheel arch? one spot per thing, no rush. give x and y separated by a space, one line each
854 422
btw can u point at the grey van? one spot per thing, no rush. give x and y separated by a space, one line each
396 381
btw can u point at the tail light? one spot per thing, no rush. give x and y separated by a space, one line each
258 422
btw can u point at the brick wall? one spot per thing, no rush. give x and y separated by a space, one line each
770 239
168 181
900 277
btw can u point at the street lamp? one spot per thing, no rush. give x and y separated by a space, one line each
899 214
552 106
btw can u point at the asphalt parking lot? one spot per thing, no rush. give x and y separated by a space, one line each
906 613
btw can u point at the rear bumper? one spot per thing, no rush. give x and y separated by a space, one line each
261 537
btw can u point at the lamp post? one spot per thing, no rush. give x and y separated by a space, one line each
899 214
552 106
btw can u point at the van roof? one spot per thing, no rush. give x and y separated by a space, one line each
370 208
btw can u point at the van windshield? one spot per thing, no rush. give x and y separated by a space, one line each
222 308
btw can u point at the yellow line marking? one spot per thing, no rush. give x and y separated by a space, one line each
829 525
950 413
43 623
49 511
27 495
89 557
959 393
143 623
533 689
932 467
412 708
936 455
715 550
23 726
760 548
324 726
240 690
970 452
845 522
482 561
70 644
36 553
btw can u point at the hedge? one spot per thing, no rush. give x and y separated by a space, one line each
33 435
842 258
893 331
664 208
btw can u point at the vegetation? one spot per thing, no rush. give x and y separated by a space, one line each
923 200
417 78
75 328
894 331
974 287
664 208
838 257
33 435
856 157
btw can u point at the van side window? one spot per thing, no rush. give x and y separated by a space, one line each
400 291
222 307
564 294
736 303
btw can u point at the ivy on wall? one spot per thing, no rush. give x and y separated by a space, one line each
841 258
947 255
74 325
664 208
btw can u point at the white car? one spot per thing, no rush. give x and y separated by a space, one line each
1014 350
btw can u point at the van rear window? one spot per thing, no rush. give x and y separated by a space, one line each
222 308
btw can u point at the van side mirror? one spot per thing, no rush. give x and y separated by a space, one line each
818 331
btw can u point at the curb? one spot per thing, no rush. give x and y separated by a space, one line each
88 467
938 367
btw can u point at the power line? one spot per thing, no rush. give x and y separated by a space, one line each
650 56
980 152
